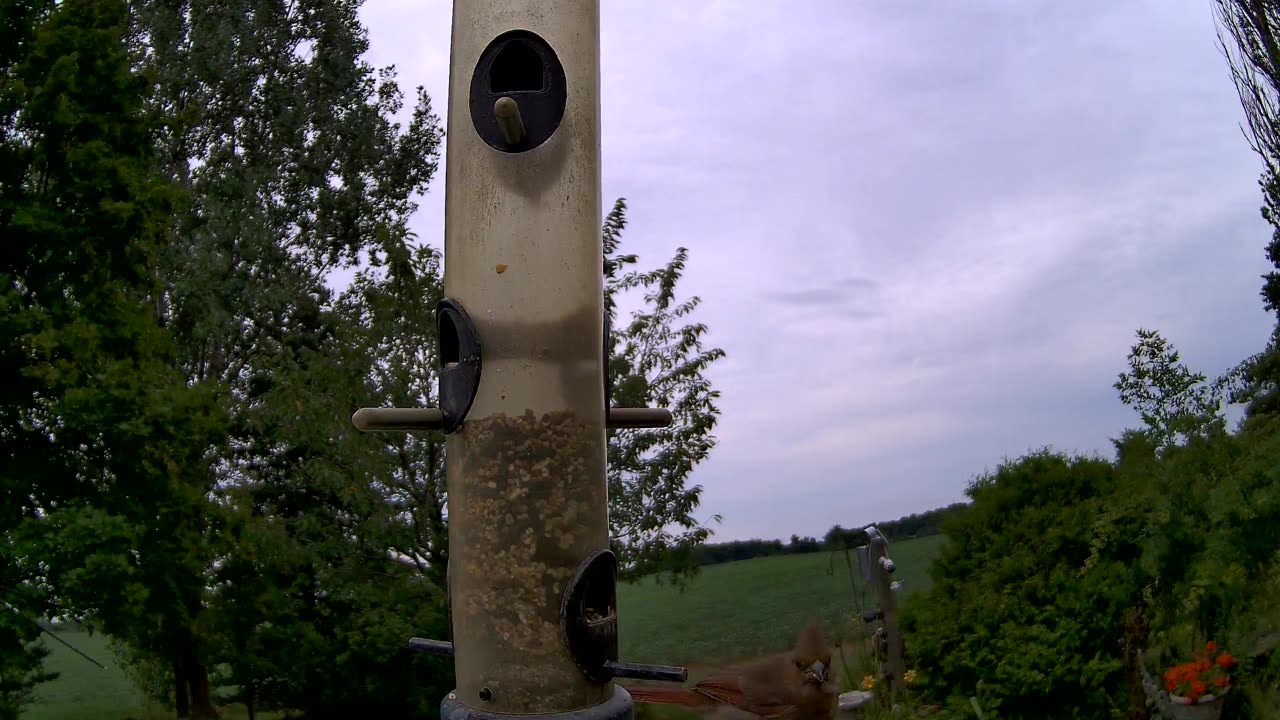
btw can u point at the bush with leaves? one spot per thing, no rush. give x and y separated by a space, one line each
1211 525
1056 565
1202 506
1011 617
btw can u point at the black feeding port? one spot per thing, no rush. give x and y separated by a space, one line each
517 67
589 616
459 362
518 92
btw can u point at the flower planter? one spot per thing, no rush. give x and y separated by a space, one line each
1175 707
1208 707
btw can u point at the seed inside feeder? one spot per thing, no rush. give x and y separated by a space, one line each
523 519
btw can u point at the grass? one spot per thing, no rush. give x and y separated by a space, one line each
84 691
754 607
727 613
741 610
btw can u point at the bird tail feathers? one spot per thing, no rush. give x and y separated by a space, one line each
668 696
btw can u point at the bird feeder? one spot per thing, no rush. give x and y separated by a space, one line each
523 397
881 569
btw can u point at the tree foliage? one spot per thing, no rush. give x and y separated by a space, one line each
179 183
108 438
1010 618
657 358
1047 574
1248 32
285 139
1182 542
1173 401
390 313
21 664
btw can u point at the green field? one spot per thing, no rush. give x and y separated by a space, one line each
752 607
84 691
740 610
728 612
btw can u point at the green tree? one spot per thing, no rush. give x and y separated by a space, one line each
286 139
390 310
1174 402
1198 523
115 438
1248 32
1194 514
839 538
657 358
313 609
1249 35
24 453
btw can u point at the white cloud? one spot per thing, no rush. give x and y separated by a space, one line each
1022 182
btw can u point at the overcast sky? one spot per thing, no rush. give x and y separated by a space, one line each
928 232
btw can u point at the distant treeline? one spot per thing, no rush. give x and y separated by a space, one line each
837 538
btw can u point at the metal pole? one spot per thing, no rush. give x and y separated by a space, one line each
527 496
532 583
886 590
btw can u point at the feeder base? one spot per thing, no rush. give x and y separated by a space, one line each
618 707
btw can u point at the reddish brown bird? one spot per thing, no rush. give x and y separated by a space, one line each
795 685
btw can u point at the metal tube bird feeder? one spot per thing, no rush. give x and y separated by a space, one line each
523 398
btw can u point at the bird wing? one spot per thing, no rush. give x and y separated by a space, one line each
770 687
669 696
725 690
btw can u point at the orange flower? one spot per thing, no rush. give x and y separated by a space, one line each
1203 673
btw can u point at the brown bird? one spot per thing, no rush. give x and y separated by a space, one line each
795 685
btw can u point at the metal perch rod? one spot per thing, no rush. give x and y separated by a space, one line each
403 419
617 668
507 113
